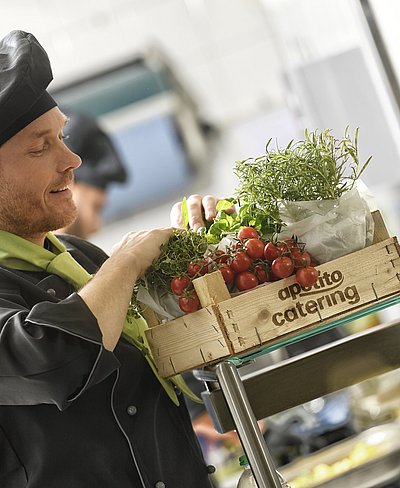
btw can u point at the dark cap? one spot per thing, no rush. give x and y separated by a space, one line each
101 163
25 73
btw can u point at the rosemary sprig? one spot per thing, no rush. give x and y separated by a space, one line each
318 168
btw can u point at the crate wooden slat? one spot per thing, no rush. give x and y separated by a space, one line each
188 341
230 326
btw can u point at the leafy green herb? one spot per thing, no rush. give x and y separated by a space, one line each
183 247
248 215
317 168
225 204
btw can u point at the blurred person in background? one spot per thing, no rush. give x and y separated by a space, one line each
102 166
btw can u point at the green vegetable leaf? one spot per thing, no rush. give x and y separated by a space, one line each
225 204
185 212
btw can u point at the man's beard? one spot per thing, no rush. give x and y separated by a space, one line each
20 213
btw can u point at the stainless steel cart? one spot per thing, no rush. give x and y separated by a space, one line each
236 401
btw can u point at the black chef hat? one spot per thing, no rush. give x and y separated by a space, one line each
101 163
25 73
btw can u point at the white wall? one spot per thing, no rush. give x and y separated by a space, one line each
222 48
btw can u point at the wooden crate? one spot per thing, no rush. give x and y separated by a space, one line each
229 326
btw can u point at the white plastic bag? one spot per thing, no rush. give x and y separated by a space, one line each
329 228
165 306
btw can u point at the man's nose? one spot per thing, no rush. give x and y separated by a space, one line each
70 159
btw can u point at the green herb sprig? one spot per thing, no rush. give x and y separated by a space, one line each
248 215
183 247
320 167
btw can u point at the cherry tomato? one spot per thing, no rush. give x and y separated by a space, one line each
247 233
189 303
301 259
271 251
237 246
291 243
241 262
227 273
254 248
220 256
246 280
179 284
282 266
198 268
263 275
307 276
284 248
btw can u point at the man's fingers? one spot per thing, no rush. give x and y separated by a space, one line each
200 209
210 207
209 203
176 215
195 211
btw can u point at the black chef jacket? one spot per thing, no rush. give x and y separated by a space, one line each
72 414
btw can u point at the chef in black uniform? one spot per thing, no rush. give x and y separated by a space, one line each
80 405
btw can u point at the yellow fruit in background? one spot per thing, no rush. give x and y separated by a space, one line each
341 466
359 453
321 472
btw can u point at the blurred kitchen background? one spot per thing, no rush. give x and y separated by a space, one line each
188 87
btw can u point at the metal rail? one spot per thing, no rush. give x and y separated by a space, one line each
300 379
247 428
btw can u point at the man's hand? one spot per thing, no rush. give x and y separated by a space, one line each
200 209
204 427
141 248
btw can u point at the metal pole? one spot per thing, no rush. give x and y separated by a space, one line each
246 426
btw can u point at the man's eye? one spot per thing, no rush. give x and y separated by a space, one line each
38 151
